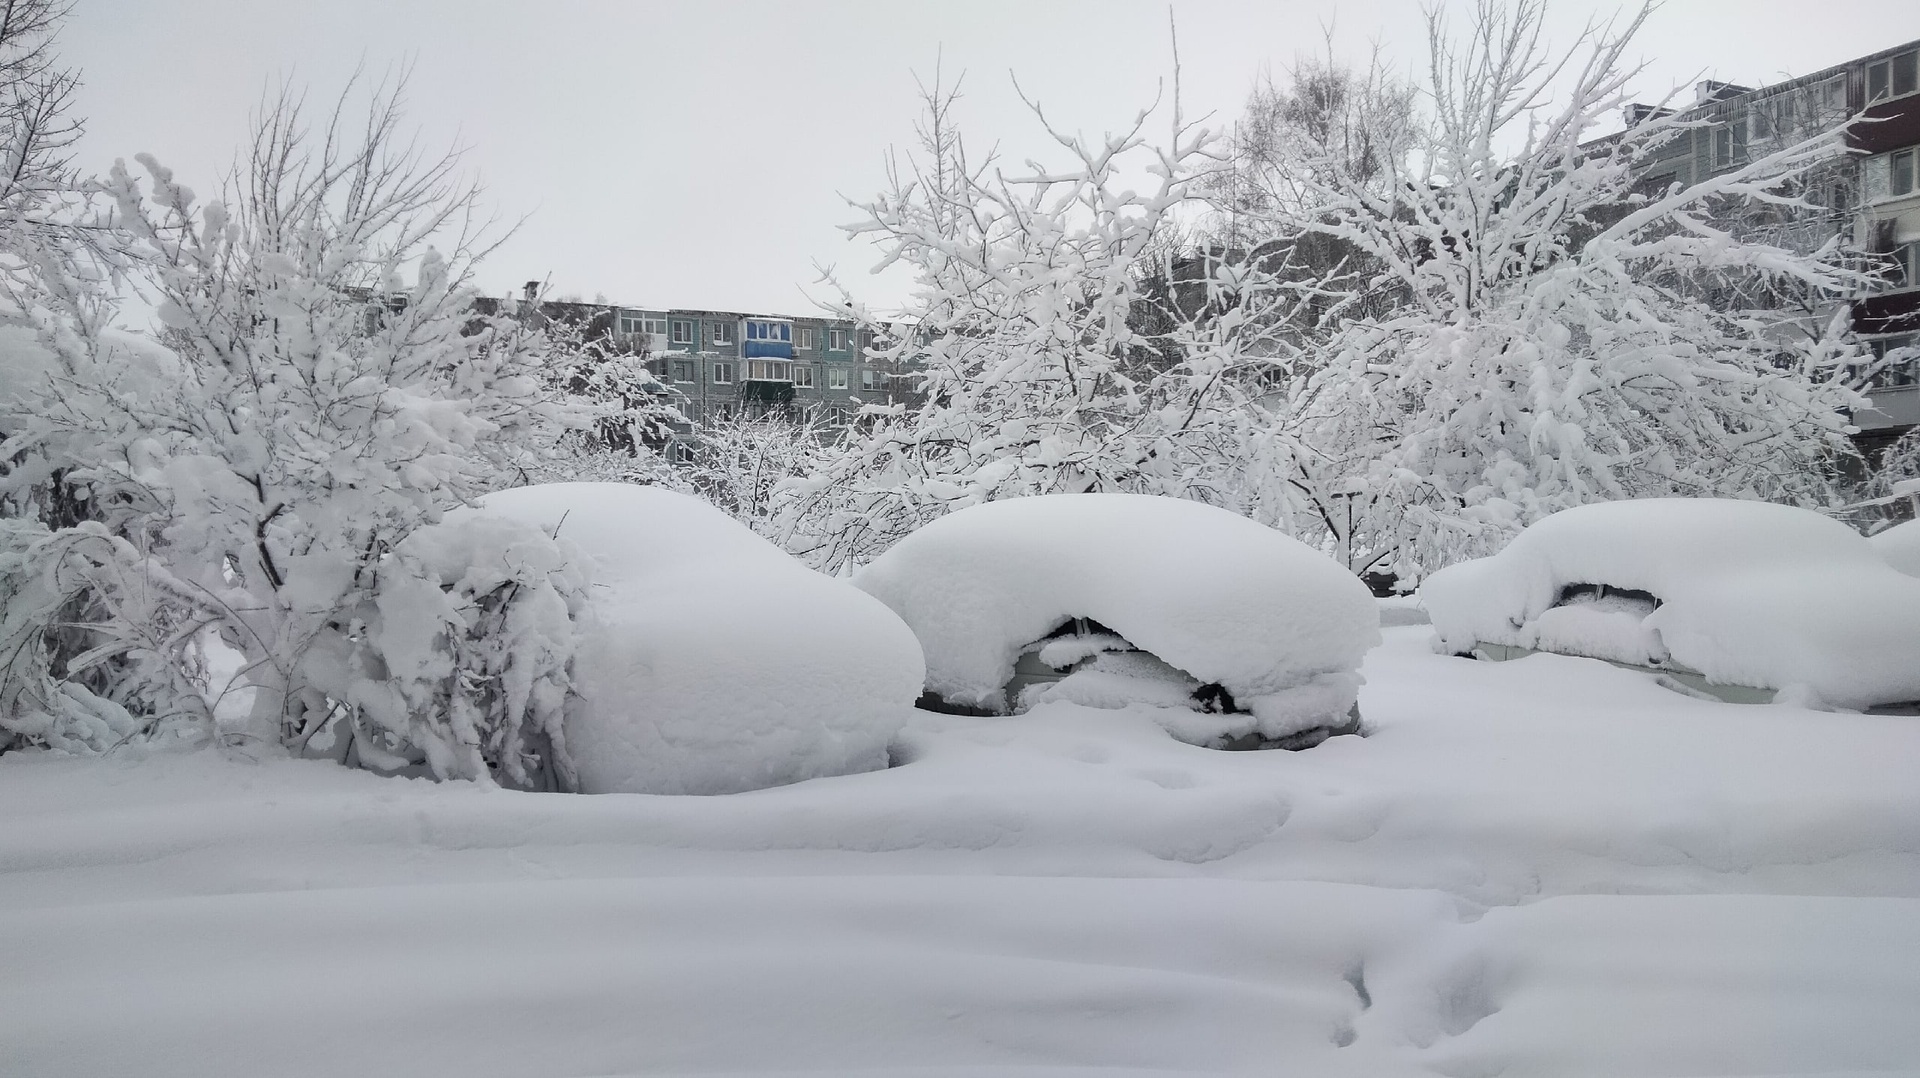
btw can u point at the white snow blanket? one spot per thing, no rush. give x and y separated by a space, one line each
716 662
1752 594
1900 545
1228 601
1547 867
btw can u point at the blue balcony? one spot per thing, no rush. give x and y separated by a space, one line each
768 338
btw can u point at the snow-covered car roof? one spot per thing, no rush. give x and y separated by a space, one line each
1219 596
1748 593
715 661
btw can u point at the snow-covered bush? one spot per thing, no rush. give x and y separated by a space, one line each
1744 592
321 389
741 463
1228 602
79 670
461 659
1898 474
710 661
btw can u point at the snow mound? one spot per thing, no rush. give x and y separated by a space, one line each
714 662
1746 593
1900 545
1224 600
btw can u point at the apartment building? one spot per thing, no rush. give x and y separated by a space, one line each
1871 198
729 363
719 365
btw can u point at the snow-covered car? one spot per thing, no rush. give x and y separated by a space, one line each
712 661
1900 545
1748 601
1239 636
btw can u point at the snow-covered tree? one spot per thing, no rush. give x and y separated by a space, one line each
321 390
740 462
1323 113
42 213
1033 371
622 415
1537 331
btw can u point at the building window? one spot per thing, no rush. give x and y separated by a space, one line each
642 323
722 374
836 340
1832 94
725 410
1656 186
769 331
1900 172
683 452
723 333
1901 372
806 336
837 378
1835 195
1896 76
683 333
1903 269
683 370
802 375
1730 143
871 380
769 370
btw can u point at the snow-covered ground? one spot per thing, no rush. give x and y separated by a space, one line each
1546 866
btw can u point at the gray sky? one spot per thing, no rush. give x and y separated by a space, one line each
697 154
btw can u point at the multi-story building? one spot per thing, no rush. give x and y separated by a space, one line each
724 364
1870 197
728 363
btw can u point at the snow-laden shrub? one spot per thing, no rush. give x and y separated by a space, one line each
320 388
459 661
76 673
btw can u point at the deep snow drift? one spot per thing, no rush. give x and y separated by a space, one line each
714 662
1213 594
1547 866
1750 593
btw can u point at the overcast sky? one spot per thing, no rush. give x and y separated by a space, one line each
698 154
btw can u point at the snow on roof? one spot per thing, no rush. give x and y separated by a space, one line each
1900 545
1751 594
1225 599
717 663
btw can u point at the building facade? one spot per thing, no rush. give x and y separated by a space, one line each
1870 198
729 363
721 365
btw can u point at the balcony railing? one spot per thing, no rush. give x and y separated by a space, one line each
767 391
1890 406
